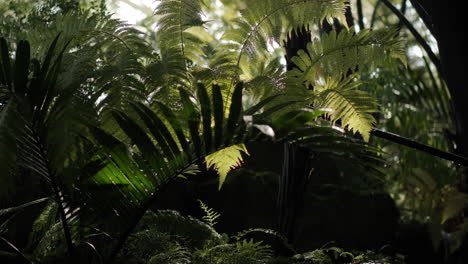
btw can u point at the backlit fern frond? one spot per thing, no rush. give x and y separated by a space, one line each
177 16
338 53
225 160
210 214
83 29
342 101
273 19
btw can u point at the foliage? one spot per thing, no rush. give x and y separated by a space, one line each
178 243
151 244
225 160
210 215
333 255
98 120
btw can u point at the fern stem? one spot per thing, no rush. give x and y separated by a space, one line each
421 147
181 34
57 193
252 31
374 14
114 36
257 26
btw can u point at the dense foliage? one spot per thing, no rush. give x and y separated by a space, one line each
99 118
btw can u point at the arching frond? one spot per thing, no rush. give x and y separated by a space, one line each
165 146
273 19
336 54
42 110
177 16
342 101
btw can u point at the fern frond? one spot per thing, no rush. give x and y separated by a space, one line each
273 19
342 101
210 215
336 54
224 160
177 16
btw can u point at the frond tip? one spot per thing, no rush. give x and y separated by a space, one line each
225 160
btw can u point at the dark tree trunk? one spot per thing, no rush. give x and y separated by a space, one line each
447 22
293 179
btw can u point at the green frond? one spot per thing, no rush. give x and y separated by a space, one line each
273 19
160 146
210 214
225 160
330 142
44 222
342 101
176 18
189 231
338 53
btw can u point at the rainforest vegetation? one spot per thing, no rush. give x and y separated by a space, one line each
233 131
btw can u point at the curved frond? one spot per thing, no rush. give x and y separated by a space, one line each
342 101
177 17
336 54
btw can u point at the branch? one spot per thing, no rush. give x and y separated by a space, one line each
425 18
374 14
403 12
16 251
421 147
416 35
360 15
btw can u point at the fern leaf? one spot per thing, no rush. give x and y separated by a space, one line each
336 54
177 17
225 160
343 102
270 19
210 214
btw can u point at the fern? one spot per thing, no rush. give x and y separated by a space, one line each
336 54
343 102
177 16
210 215
263 20
328 59
225 160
